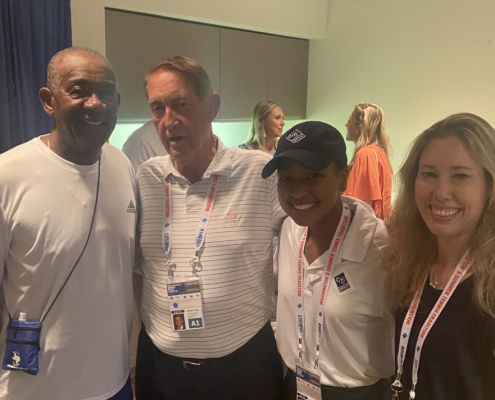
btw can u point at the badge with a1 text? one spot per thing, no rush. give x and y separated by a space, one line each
308 383
186 307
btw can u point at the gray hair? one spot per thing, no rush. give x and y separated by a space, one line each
189 70
52 71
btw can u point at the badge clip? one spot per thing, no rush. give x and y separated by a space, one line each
171 268
196 266
397 386
317 356
412 393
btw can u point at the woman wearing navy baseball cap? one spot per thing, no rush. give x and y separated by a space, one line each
335 322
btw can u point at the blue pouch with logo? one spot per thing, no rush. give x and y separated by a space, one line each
23 345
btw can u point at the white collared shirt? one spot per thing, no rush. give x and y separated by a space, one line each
236 258
357 346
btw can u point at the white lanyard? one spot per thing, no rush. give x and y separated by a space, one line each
454 280
326 278
202 226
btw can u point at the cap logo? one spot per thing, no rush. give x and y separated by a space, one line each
295 136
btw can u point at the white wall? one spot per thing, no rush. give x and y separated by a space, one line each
419 60
303 19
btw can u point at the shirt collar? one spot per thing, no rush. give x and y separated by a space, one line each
361 230
220 165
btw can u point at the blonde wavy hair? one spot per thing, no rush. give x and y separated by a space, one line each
256 135
412 247
371 121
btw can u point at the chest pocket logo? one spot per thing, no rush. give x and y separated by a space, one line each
342 283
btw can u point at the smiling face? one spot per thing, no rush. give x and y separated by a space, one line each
274 123
310 197
451 189
182 119
83 104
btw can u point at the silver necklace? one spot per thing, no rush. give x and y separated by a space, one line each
433 281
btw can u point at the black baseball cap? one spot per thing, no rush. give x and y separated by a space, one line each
313 144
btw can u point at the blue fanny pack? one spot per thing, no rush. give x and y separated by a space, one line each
22 347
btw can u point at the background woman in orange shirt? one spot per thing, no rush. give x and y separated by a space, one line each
370 176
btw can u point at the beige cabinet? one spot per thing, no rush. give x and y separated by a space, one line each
244 67
257 67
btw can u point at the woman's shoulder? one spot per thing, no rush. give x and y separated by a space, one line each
372 153
364 154
370 150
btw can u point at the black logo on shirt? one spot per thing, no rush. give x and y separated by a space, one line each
342 283
131 208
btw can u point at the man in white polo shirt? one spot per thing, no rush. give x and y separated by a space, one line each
207 223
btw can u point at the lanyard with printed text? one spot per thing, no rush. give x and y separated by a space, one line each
454 280
202 226
326 279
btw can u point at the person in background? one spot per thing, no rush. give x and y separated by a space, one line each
67 230
267 124
370 174
335 318
143 144
207 223
442 265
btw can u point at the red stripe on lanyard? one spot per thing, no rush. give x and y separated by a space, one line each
167 198
334 249
203 222
300 263
454 280
211 195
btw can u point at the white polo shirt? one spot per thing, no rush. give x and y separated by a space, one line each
236 257
357 345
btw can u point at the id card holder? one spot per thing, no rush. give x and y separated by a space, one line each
307 383
22 347
186 305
